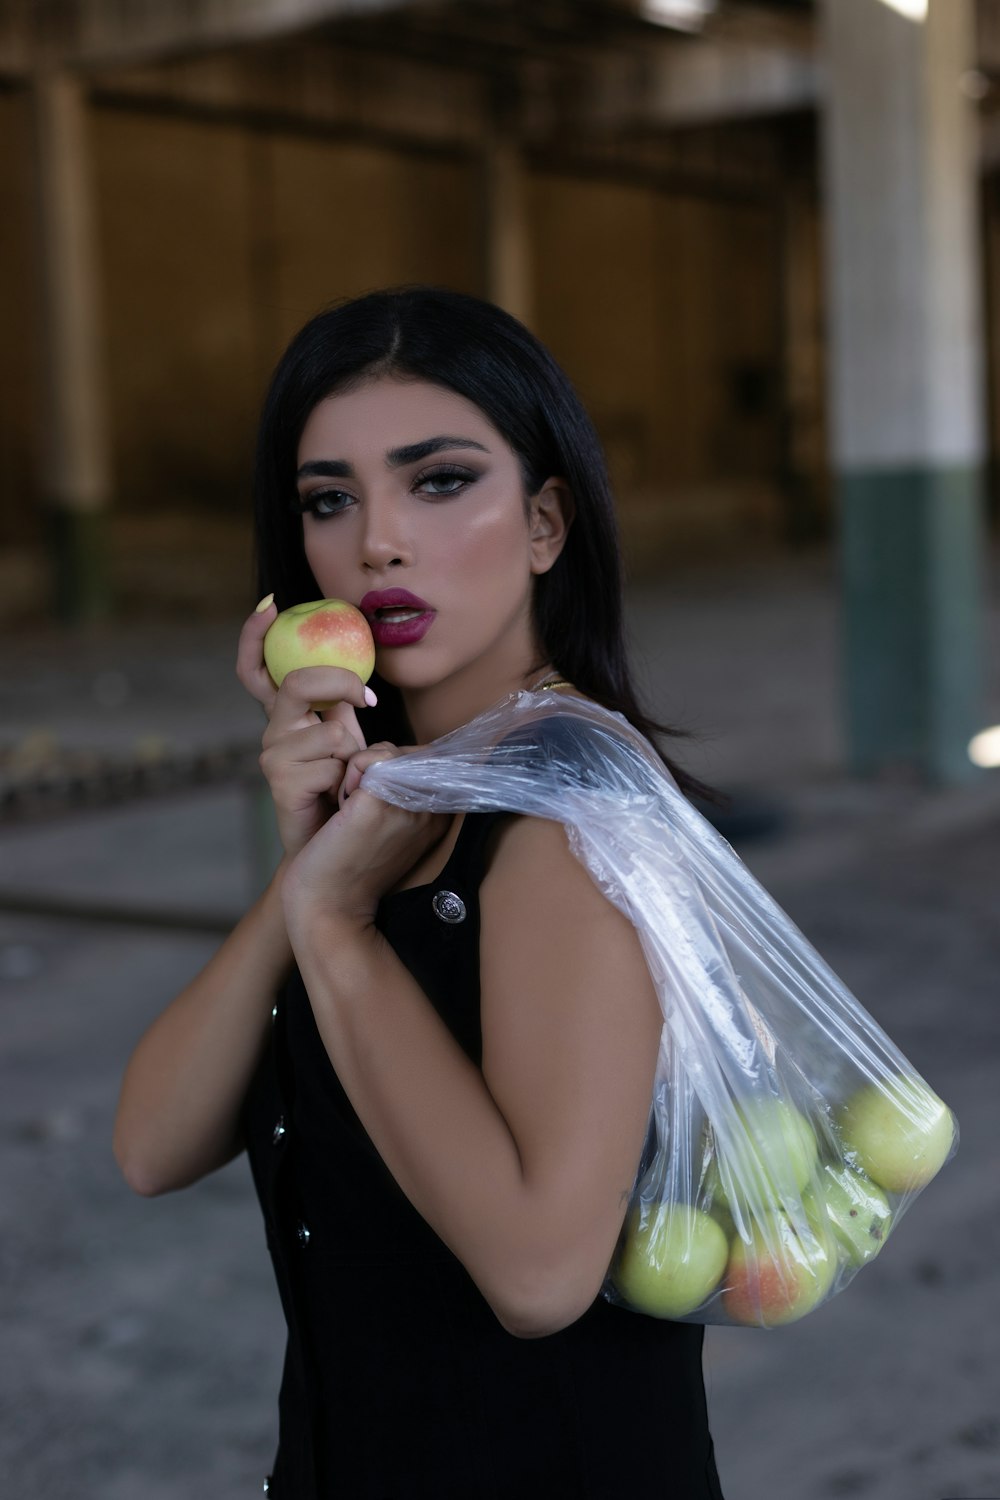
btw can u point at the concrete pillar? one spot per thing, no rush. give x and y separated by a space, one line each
73 444
506 237
906 378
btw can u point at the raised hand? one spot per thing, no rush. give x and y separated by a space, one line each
356 858
304 754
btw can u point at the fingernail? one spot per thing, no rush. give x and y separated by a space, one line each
264 604
370 697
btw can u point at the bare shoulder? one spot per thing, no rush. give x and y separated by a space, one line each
550 933
534 853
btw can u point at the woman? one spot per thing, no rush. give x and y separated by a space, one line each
445 1107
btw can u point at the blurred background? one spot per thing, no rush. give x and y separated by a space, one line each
763 236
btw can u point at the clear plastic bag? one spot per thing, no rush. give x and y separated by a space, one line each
787 1133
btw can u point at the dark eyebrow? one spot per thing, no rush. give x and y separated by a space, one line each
326 468
396 458
414 452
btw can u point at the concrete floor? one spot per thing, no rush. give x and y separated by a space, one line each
140 1341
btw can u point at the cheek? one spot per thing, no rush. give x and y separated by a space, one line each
487 543
324 559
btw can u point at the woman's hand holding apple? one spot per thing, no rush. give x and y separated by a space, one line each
304 755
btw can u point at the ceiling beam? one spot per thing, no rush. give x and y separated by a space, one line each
89 34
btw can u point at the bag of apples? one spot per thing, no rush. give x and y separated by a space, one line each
787 1133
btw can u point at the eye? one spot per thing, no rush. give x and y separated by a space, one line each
322 503
445 479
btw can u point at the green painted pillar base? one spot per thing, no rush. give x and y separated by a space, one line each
912 558
79 550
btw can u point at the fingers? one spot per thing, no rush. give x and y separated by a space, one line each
329 686
358 764
250 668
343 713
304 768
379 821
320 740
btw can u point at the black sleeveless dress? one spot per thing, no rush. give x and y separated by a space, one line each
399 1383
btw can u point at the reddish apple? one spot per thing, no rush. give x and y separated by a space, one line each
783 1271
320 633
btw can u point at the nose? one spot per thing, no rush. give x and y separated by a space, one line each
384 543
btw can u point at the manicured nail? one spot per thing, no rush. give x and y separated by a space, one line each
264 604
370 697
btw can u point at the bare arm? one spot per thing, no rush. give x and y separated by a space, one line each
178 1114
522 1168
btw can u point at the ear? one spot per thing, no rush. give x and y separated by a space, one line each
552 512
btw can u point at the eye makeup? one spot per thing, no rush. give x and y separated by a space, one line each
454 479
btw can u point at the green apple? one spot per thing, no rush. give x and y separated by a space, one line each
858 1211
779 1159
672 1258
783 1271
899 1132
321 633
719 1211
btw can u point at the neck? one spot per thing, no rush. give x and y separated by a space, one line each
437 710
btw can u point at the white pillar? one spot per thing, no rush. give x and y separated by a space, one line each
906 375
73 452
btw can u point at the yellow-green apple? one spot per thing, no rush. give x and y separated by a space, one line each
773 1160
719 1210
320 633
858 1211
898 1131
781 1272
672 1258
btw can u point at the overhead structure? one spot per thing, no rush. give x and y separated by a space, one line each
607 79
675 100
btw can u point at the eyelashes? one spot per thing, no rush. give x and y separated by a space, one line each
320 503
442 482
454 476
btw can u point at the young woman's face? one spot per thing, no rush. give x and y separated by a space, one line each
405 485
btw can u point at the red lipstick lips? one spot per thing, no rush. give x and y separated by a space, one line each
396 617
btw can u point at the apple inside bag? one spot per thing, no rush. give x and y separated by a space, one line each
787 1133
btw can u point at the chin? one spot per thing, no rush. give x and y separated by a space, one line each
413 669
409 676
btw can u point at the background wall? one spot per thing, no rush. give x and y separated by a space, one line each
18 318
219 237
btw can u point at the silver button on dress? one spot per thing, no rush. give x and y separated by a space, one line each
448 907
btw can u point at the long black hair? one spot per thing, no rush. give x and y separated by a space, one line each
482 353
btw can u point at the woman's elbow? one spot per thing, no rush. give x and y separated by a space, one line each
151 1173
538 1306
140 1173
534 1324
139 1178
161 1160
